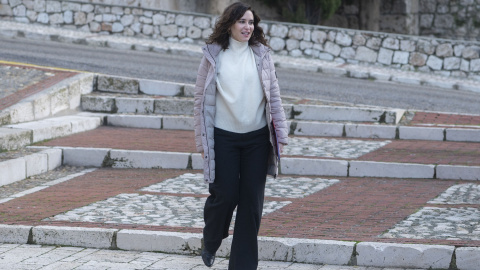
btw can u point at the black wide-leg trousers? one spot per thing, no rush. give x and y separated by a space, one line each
240 176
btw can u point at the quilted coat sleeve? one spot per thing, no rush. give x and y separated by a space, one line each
198 115
277 112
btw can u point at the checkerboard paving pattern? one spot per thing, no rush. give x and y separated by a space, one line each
282 187
451 223
166 209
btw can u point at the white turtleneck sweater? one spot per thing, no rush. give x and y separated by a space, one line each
240 101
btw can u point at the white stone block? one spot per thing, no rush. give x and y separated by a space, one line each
404 255
134 105
468 258
469 87
421 133
179 106
117 84
74 95
337 71
370 131
160 88
393 116
406 79
14 138
47 129
54 157
98 104
380 76
224 249
41 106
189 90
14 234
197 161
392 170
440 84
73 236
458 172
318 129
82 123
323 251
36 164
158 241
337 113
12 170
463 135
296 66
305 166
275 249
135 121
21 112
59 98
178 122
149 159
82 156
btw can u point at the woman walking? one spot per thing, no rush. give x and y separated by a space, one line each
240 128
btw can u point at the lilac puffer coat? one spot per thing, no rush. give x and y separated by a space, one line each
204 107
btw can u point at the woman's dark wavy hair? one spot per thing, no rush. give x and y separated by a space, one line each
233 13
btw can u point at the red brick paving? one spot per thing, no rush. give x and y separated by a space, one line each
445 119
130 139
35 88
406 151
355 209
427 152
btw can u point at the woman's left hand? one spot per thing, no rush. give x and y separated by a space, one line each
280 147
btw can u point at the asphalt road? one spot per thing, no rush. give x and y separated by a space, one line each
178 68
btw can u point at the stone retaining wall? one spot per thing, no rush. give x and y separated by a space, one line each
450 19
445 57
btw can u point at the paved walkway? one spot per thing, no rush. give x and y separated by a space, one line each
404 151
23 257
379 210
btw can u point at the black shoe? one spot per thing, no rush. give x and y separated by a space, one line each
208 258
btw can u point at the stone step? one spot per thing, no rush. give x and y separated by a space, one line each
133 86
120 158
313 251
59 99
307 128
107 103
16 166
19 165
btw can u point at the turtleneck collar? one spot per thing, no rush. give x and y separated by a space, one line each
237 46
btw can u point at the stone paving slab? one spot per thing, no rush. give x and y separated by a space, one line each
345 209
22 257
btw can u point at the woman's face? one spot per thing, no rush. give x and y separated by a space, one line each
242 30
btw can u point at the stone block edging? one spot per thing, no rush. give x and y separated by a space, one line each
117 158
60 97
17 169
313 251
404 255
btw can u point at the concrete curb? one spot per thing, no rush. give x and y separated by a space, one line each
313 251
36 163
304 128
405 256
12 29
117 158
184 106
51 128
61 97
